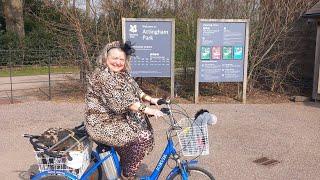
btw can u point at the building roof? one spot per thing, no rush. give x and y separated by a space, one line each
313 12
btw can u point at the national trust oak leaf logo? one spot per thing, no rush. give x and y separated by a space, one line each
133 28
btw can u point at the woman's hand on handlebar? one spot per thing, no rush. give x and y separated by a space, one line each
154 101
158 113
154 112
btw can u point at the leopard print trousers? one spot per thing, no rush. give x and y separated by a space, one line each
131 154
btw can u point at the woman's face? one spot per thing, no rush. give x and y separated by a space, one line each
116 59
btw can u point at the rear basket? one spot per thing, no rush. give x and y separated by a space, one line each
48 163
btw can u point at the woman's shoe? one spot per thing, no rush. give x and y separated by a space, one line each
129 177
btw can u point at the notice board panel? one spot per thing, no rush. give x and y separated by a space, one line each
222 52
153 41
222 48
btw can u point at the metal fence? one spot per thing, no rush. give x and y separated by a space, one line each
45 74
37 73
52 73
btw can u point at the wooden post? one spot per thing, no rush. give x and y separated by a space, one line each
173 40
316 78
196 84
317 49
245 66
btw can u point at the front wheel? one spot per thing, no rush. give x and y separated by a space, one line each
194 173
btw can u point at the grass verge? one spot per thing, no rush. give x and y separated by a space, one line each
37 70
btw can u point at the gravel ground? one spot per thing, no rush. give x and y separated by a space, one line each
288 132
26 85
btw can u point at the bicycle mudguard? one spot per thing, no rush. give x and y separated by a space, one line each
48 173
184 164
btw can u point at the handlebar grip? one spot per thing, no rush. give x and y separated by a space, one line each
162 101
165 111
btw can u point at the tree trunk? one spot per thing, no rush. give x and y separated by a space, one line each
88 8
86 65
13 14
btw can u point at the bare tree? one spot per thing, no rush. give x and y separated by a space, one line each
272 46
13 13
74 23
274 38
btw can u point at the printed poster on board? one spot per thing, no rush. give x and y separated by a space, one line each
227 52
238 52
216 53
205 53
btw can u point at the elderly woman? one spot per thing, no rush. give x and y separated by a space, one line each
115 112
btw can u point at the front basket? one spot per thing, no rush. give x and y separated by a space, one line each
193 137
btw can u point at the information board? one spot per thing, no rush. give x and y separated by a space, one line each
222 48
153 42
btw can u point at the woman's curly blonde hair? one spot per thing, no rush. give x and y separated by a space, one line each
125 47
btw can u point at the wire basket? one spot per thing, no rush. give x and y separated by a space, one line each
193 137
48 163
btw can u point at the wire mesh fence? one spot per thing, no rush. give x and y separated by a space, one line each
45 74
29 74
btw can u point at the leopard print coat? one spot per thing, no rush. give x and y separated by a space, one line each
108 117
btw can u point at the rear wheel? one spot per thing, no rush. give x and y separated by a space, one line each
194 173
55 177
50 176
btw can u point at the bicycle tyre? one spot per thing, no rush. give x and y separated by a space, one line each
54 177
192 171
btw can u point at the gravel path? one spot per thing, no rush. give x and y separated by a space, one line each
289 133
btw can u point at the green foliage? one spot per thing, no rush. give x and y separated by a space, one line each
185 42
2 20
9 40
36 34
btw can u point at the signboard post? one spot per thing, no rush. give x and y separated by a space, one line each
153 40
316 74
222 52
